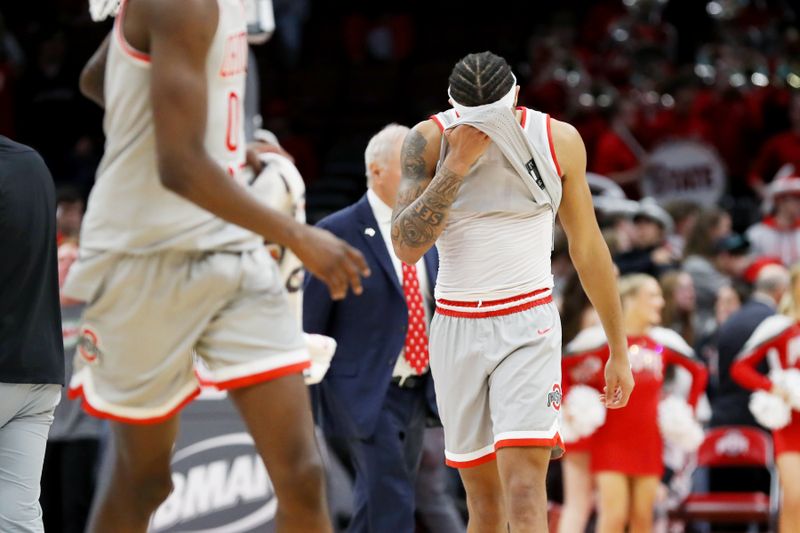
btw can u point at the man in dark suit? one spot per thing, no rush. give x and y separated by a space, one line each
378 392
730 405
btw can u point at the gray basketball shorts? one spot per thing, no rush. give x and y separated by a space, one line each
158 326
496 368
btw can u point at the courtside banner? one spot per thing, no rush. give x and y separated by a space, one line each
220 483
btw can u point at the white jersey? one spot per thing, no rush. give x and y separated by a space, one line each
129 209
497 240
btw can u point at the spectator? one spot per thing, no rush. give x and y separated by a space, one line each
31 348
685 214
712 225
69 213
779 150
650 253
729 405
778 234
679 312
619 155
728 301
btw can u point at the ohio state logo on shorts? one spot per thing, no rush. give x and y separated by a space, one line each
554 397
88 345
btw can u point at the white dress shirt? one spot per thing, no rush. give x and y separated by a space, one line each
383 215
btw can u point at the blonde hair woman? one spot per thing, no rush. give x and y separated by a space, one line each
626 457
779 334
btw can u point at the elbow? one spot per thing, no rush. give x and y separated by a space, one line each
405 255
172 176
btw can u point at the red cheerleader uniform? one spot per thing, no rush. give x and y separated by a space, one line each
582 368
630 442
778 339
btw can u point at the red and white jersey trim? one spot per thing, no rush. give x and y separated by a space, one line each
138 57
490 308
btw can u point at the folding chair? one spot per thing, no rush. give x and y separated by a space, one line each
734 446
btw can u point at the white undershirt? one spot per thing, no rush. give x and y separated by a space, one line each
383 214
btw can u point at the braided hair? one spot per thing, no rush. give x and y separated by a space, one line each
479 79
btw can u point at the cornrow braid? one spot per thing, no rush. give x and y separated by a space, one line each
479 79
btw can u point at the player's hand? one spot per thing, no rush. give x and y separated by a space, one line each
256 148
467 144
619 382
336 263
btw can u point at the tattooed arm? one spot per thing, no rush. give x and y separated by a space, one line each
424 199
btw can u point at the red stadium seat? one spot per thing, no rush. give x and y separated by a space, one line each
733 446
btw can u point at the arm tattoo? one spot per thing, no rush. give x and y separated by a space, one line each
422 204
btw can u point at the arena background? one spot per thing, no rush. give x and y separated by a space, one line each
334 73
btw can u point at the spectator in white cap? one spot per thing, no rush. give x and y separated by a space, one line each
650 253
778 234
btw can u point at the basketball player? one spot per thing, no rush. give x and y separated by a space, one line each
170 263
495 339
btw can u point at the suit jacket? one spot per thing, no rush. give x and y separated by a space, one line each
370 329
729 406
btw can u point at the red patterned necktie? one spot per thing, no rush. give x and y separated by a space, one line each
416 346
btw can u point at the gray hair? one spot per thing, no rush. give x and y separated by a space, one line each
772 280
382 143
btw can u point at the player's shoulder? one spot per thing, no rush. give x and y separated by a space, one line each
672 340
769 329
564 134
588 340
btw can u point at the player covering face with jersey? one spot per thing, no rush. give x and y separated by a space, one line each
484 182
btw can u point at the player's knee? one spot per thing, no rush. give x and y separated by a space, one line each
305 488
148 489
486 510
525 497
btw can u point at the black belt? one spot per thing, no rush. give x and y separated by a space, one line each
411 382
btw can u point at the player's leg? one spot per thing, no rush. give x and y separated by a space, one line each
484 498
613 503
644 490
278 416
522 473
789 470
140 478
577 481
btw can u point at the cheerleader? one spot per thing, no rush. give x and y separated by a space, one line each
777 339
627 450
578 315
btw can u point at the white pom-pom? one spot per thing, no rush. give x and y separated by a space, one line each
102 9
321 350
770 410
584 412
678 425
789 380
